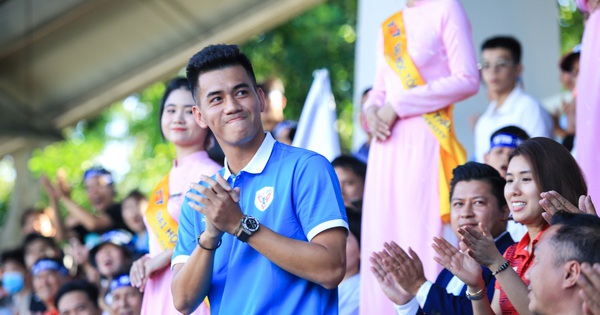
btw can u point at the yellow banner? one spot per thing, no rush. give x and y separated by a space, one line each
452 153
161 223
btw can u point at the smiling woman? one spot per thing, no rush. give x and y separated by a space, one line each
537 165
150 274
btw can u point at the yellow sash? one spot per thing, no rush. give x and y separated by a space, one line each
161 223
452 153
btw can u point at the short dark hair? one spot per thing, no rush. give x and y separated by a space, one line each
351 163
506 42
215 57
16 254
32 237
513 131
577 237
568 61
482 172
28 212
135 195
90 290
553 167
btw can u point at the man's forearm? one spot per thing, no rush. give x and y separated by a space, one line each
322 261
191 281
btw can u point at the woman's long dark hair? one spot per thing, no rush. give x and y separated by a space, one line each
553 167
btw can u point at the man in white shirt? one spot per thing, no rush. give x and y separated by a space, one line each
500 70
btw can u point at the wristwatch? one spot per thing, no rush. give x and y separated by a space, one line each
249 225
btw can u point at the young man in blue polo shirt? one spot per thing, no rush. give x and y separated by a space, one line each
267 234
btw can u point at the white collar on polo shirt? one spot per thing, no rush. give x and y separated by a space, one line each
259 160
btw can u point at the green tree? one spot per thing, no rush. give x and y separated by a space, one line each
321 37
571 25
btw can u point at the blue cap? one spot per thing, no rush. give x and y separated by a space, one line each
46 264
505 140
98 171
120 238
120 281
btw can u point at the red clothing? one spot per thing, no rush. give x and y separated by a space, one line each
520 260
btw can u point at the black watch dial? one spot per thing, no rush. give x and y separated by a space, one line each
251 223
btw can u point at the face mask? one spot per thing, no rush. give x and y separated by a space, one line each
12 282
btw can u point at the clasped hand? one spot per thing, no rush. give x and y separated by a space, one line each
219 203
380 120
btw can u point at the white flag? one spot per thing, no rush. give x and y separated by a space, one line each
317 126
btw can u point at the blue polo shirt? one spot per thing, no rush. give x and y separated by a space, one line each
292 191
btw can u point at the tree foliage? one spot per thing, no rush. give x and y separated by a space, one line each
321 37
570 21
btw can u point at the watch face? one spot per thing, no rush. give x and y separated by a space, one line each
251 223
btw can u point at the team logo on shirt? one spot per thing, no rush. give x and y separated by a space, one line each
263 198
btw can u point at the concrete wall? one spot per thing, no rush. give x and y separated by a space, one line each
533 22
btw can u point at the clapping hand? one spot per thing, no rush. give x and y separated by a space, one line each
406 270
218 202
458 263
589 283
479 245
386 280
552 202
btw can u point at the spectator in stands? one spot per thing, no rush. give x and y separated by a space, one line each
36 247
502 144
16 280
477 197
113 254
133 206
537 165
99 187
573 239
78 298
351 173
501 71
126 299
48 276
